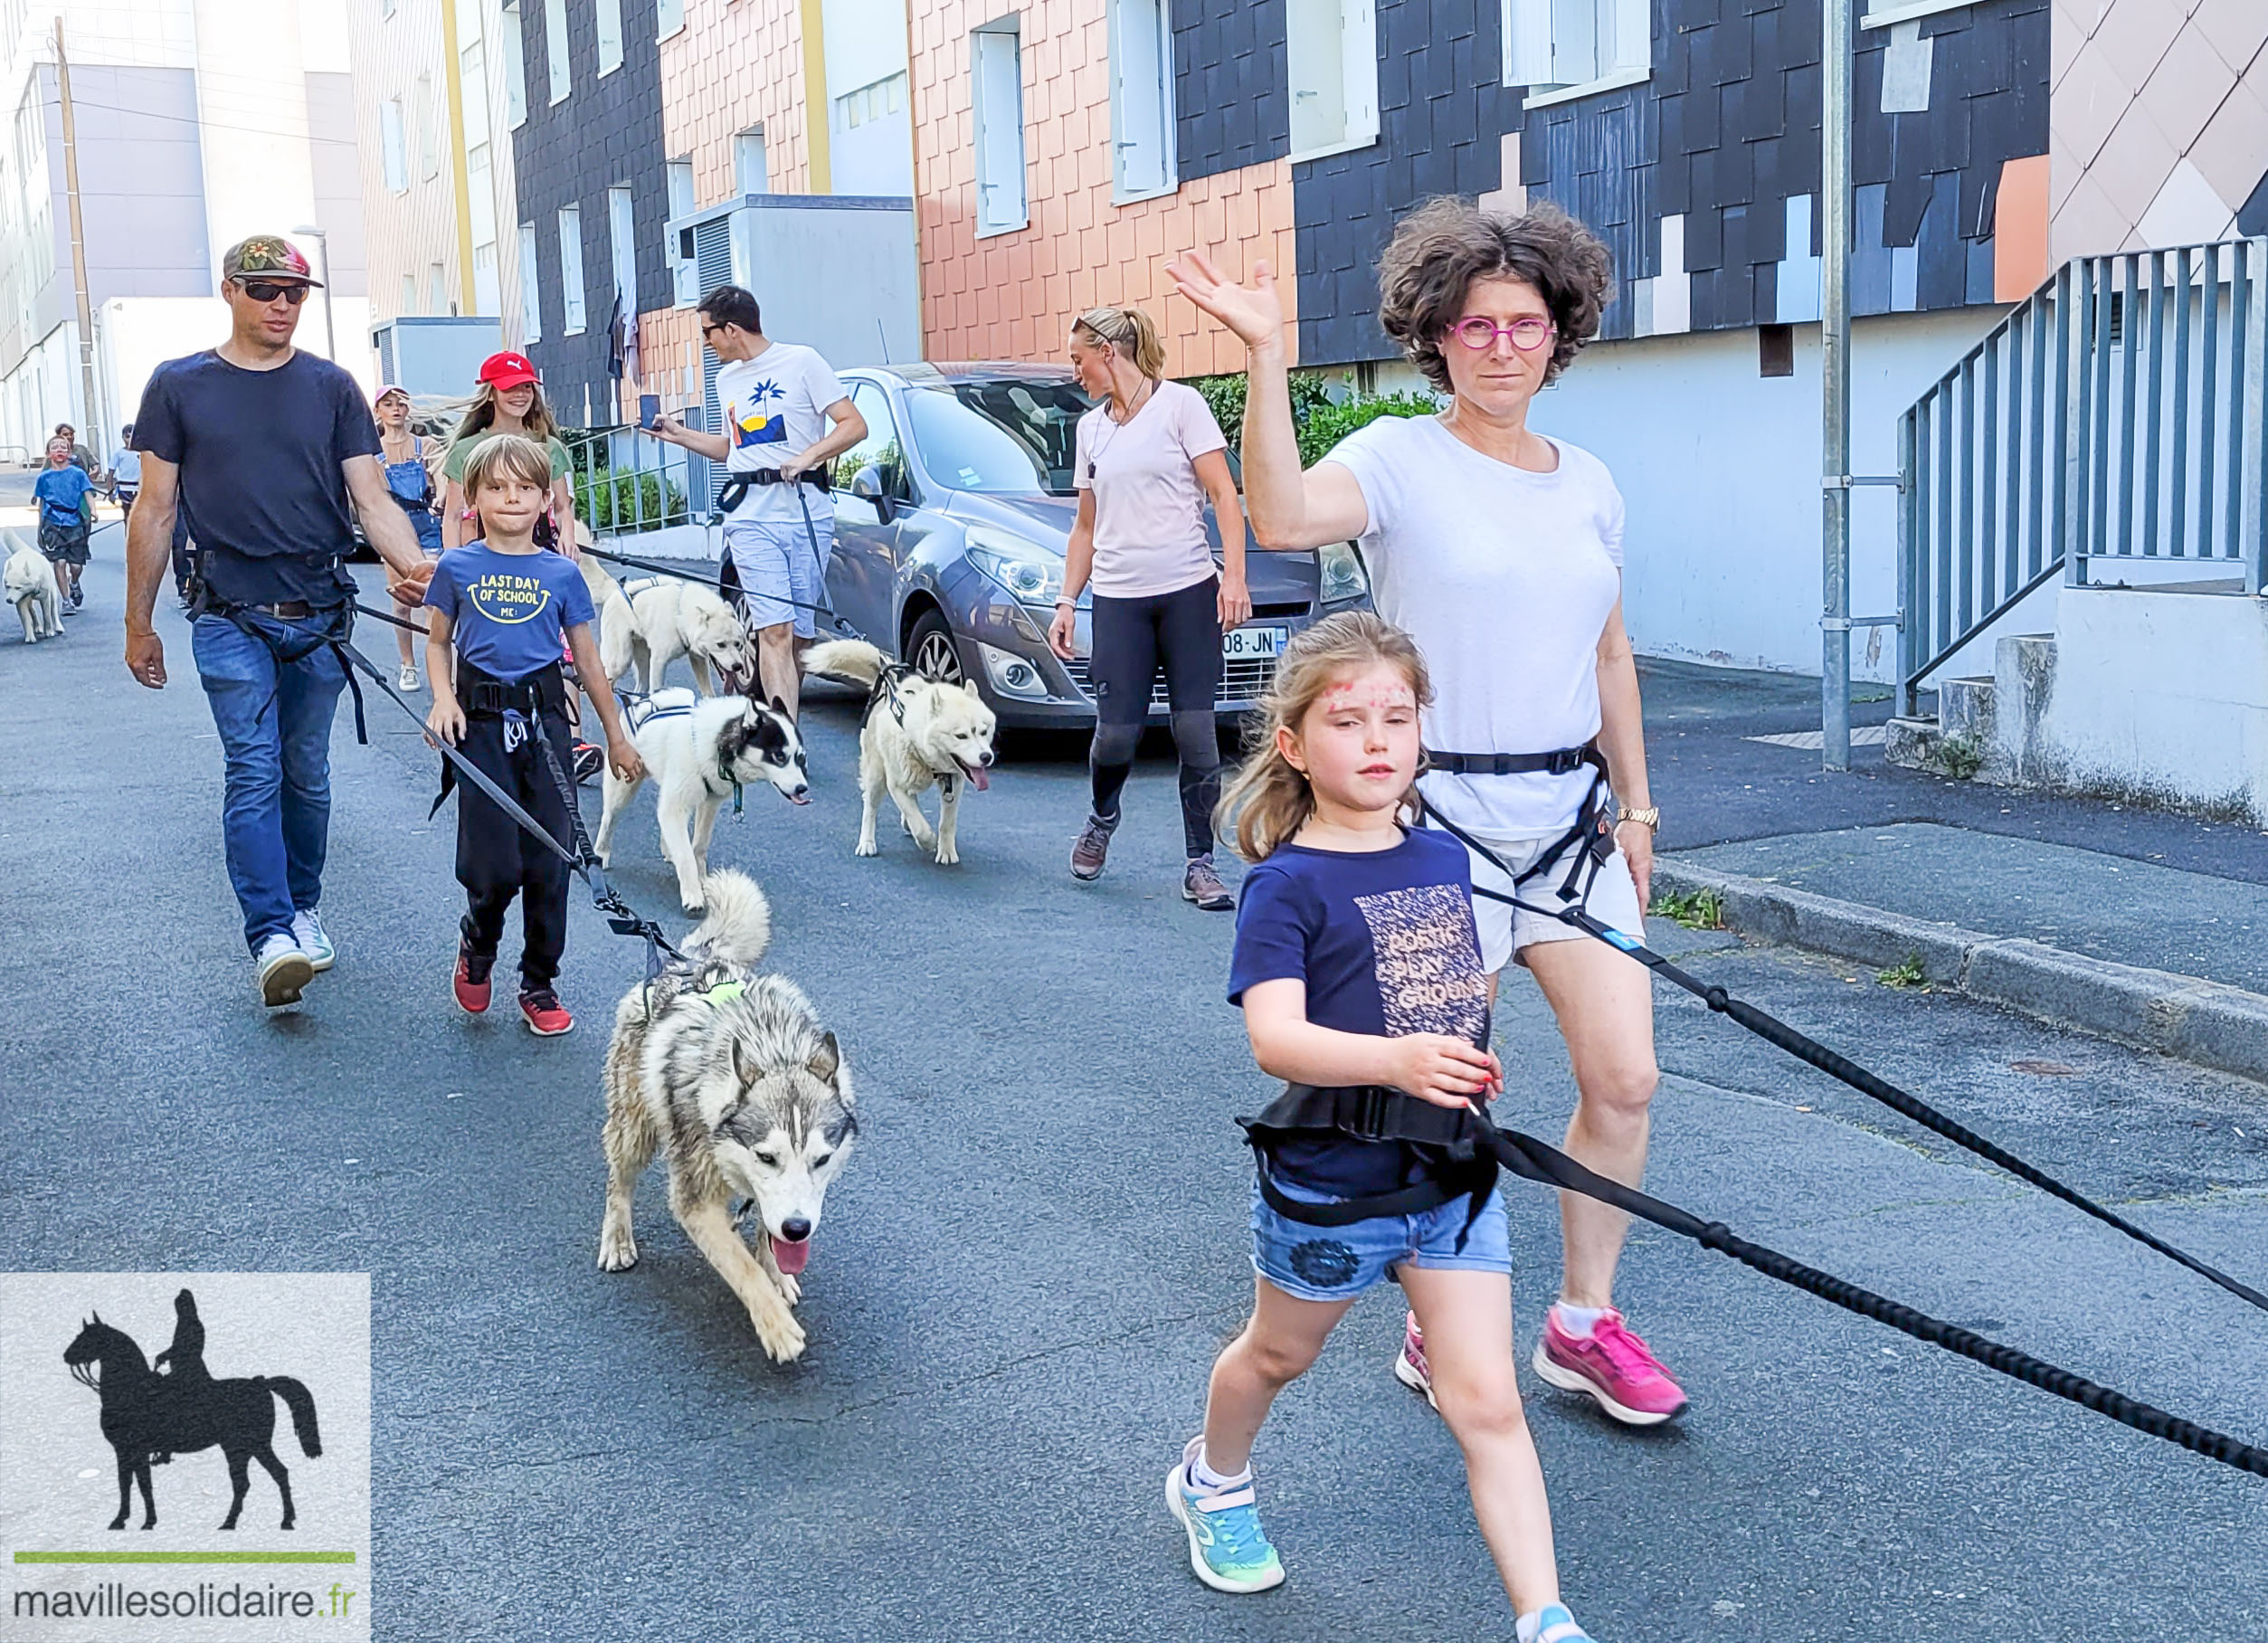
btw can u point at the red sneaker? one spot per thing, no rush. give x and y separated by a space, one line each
546 1016
1612 1365
471 982
1410 1365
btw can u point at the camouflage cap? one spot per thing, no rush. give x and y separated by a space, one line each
266 257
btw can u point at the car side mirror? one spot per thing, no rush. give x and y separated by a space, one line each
866 486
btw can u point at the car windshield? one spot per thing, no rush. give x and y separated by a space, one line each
1000 435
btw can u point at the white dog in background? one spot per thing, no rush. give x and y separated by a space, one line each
919 733
30 584
648 622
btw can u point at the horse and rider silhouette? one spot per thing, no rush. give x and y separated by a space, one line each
149 1416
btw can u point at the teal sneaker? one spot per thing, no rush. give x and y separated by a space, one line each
1555 1625
1227 1549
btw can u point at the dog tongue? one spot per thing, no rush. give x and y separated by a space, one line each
791 1257
978 779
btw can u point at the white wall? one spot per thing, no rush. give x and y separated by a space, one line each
866 43
1720 475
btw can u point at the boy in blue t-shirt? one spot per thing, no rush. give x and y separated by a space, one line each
505 604
66 519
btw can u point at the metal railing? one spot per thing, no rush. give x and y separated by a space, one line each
626 482
2114 414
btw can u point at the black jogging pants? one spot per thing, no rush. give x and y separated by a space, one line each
1133 639
497 860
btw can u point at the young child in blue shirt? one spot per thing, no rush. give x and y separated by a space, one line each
505 605
1357 963
66 519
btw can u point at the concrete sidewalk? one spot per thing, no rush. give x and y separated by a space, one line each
2141 926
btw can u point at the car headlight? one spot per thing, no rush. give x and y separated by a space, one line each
1029 572
1341 571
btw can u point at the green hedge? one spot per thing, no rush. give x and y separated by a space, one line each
1319 421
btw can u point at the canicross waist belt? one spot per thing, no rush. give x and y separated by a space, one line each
1374 1112
737 486
1559 762
483 695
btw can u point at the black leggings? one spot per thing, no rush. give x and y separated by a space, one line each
497 861
1181 631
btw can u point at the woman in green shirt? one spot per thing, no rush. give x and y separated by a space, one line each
510 401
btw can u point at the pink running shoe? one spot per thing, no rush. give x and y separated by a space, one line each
1410 1365
1613 1366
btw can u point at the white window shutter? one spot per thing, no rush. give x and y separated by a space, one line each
1633 35
1575 41
1527 37
1359 63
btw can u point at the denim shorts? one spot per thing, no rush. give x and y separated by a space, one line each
778 577
1339 1263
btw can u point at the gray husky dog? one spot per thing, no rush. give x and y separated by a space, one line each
732 1075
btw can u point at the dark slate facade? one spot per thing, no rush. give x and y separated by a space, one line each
606 134
1724 134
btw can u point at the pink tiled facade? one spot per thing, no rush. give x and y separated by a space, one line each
1013 296
735 64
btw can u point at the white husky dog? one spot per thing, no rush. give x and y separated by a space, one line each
699 749
30 584
649 621
919 734
732 1074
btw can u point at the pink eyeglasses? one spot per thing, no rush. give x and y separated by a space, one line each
1527 334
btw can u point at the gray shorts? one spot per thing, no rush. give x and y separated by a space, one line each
1505 930
778 573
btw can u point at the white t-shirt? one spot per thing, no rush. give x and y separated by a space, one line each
1505 579
775 407
1149 509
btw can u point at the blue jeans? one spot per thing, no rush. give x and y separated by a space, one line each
1316 1263
275 722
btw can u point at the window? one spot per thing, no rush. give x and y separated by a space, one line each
437 290
386 8
531 287
428 119
682 204
609 18
409 293
488 295
1008 437
621 238
1569 48
1330 47
669 17
878 451
397 161
870 103
515 68
1141 100
996 68
556 47
571 317
751 172
472 65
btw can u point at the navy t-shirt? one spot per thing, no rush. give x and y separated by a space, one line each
1385 942
261 454
507 612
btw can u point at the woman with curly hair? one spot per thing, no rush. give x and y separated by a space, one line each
1499 549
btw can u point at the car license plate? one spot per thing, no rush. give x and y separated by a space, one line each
1250 644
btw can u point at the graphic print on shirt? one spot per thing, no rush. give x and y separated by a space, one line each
507 599
1428 962
753 424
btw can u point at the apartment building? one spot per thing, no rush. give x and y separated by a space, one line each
192 124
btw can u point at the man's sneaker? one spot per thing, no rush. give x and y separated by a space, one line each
1555 1625
1091 849
471 982
406 680
1613 1366
1227 1549
307 930
1410 1365
284 970
1202 886
546 1016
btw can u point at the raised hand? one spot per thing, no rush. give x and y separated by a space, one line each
1254 312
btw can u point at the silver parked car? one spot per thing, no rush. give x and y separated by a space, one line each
951 519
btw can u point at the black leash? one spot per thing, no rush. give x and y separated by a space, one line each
1807 1049
1537 1160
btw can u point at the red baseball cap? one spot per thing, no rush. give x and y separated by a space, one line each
508 370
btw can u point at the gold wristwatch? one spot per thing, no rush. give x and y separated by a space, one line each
1648 816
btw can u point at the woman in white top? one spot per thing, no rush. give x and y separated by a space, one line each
1500 551
1146 459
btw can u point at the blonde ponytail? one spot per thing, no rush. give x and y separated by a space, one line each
1130 333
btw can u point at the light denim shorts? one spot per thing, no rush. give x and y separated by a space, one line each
778 573
1339 1263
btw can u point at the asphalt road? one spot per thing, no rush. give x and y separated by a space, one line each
1039 1244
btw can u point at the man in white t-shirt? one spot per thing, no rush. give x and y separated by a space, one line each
779 399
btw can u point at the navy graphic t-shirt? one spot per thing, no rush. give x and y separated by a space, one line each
507 612
1384 941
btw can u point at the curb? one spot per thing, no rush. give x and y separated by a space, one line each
2205 1022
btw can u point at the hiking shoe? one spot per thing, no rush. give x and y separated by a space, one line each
1409 1363
1227 1549
284 970
1202 886
1612 1365
546 1016
471 982
1091 849
588 760
1555 1625
406 680
307 930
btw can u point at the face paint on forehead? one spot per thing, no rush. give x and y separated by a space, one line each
1376 690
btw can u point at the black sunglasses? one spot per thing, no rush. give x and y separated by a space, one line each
267 290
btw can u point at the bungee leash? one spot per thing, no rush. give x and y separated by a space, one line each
1781 1035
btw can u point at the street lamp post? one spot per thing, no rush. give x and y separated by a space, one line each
330 335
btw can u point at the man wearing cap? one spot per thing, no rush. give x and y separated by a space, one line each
265 444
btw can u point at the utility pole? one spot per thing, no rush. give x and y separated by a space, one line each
77 237
1835 381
